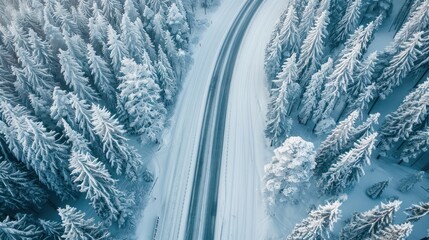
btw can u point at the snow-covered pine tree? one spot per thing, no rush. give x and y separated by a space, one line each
400 65
313 91
112 10
104 79
166 77
318 223
407 183
363 76
117 49
148 43
61 106
395 231
172 51
368 224
92 178
40 108
377 189
18 229
82 117
65 19
76 226
273 59
288 174
348 22
417 211
399 124
141 98
47 229
364 129
288 35
345 173
333 145
78 142
42 52
122 157
74 77
178 26
312 49
19 190
132 39
98 26
282 98
308 17
131 10
417 144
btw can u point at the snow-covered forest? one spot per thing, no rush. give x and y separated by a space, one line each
325 86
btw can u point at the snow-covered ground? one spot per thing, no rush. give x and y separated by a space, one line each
174 163
241 213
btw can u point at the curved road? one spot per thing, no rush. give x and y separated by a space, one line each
203 204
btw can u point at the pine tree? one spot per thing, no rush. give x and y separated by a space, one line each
42 52
61 107
308 17
318 223
172 51
98 26
282 98
74 77
417 144
112 10
18 189
130 10
288 174
117 49
158 28
130 36
370 223
76 226
363 76
82 117
166 77
18 229
120 155
333 145
92 177
395 231
313 91
288 35
400 65
364 129
77 141
377 189
178 26
401 123
312 49
345 173
408 183
140 96
273 59
65 19
417 211
349 21
103 76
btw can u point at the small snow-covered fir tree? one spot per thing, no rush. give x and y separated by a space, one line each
112 10
313 91
395 231
61 106
117 49
42 52
92 178
273 59
78 142
308 17
407 183
166 77
282 98
18 229
288 174
348 169
365 97
318 223
288 35
141 98
349 21
363 76
333 145
97 25
178 26
370 223
377 189
312 49
120 155
417 211
82 117
76 226
417 144
132 39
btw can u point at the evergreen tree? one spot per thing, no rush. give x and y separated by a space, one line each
408 183
77 141
345 173
18 229
112 10
377 189
61 107
401 123
120 155
117 49
364 129
76 47
42 53
18 189
141 98
395 231
333 145
282 98
312 49
172 51
65 19
288 35
400 65
417 211
370 223
103 76
166 77
178 26
74 77
417 144
76 226
363 76
98 26
308 17
92 177
130 36
349 21
288 174
273 59
313 91
318 223
130 10
82 117
158 28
